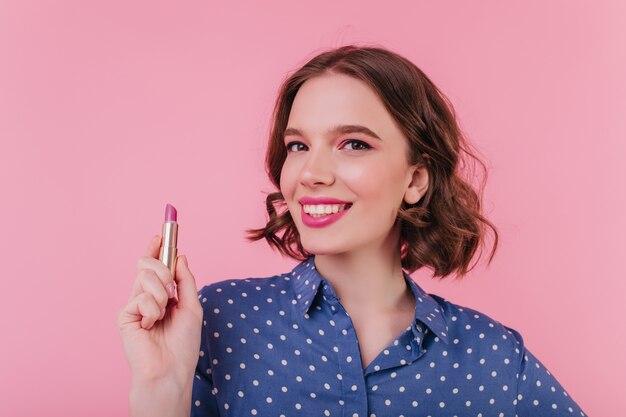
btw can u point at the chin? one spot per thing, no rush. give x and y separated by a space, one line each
320 247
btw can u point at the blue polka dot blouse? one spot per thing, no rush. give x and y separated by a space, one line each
285 346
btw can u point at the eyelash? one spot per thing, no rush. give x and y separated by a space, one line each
360 142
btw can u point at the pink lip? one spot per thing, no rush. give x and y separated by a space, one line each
321 200
322 221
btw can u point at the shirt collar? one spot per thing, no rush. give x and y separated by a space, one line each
307 282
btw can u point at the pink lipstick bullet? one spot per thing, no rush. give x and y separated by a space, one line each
168 251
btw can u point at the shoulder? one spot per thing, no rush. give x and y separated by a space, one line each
233 290
475 329
238 285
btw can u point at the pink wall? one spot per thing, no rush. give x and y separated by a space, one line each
108 110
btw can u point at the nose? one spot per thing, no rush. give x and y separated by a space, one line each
318 169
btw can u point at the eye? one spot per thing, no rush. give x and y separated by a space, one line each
290 144
361 145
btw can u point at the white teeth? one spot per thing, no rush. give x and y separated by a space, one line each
323 208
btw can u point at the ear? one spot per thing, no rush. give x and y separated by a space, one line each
418 183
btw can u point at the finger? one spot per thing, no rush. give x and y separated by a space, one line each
151 283
149 280
153 247
141 312
187 289
149 310
163 272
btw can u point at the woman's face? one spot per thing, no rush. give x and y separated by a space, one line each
323 161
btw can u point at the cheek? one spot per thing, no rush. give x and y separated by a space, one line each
372 179
287 180
288 183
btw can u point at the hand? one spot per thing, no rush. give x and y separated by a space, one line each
161 334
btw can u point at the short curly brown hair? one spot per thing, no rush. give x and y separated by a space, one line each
444 228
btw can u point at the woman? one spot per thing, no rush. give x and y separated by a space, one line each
366 153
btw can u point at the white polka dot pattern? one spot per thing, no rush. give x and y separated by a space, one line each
285 346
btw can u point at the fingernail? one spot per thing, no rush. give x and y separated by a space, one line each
185 260
169 287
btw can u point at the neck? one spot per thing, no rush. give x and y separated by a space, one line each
368 280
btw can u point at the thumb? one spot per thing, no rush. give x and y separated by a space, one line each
185 281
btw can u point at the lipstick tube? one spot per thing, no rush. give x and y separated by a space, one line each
168 250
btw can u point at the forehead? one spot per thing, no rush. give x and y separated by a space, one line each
336 99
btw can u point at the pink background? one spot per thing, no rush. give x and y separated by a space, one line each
109 110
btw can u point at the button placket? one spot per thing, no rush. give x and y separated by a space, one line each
354 388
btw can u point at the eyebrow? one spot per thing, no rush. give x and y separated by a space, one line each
340 129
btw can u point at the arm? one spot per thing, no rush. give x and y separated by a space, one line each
159 399
202 399
538 391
